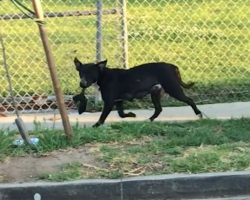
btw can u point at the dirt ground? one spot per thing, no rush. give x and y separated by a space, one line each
28 168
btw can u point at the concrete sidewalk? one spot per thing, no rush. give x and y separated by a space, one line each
183 113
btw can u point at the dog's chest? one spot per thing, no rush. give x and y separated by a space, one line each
126 86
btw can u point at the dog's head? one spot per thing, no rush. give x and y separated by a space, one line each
89 72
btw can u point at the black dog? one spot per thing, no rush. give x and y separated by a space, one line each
117 85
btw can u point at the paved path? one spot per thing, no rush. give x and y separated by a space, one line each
183 113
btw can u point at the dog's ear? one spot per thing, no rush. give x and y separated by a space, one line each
77 63
102 64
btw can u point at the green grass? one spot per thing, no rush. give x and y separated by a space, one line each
208 40
68 172
130 149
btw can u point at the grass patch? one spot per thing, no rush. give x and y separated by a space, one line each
67 172
143 148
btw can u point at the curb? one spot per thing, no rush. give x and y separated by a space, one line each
199 186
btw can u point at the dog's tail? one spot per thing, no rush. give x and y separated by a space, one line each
185 85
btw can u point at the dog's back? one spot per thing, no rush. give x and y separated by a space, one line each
140 78
162 71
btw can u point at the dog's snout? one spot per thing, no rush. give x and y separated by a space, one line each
83 83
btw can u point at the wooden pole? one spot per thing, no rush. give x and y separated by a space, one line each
51 65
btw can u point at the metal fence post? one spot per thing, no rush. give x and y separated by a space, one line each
124 32
99 4
99 31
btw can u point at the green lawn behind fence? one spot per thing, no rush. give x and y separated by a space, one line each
208 40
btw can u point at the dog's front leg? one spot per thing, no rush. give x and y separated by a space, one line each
105 112
119 106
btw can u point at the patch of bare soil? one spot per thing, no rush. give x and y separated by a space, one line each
28 168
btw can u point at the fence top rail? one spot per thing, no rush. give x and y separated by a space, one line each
60 14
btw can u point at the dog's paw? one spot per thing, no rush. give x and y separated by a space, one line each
97 124
130 114
151 119
200 115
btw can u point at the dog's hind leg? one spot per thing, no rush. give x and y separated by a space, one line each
156 99
120 110
178 93
190 102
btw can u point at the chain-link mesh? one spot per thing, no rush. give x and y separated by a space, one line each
72 30
208 39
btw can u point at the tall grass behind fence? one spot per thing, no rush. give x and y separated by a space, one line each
208 39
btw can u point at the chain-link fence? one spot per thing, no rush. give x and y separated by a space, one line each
208 39
73 31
